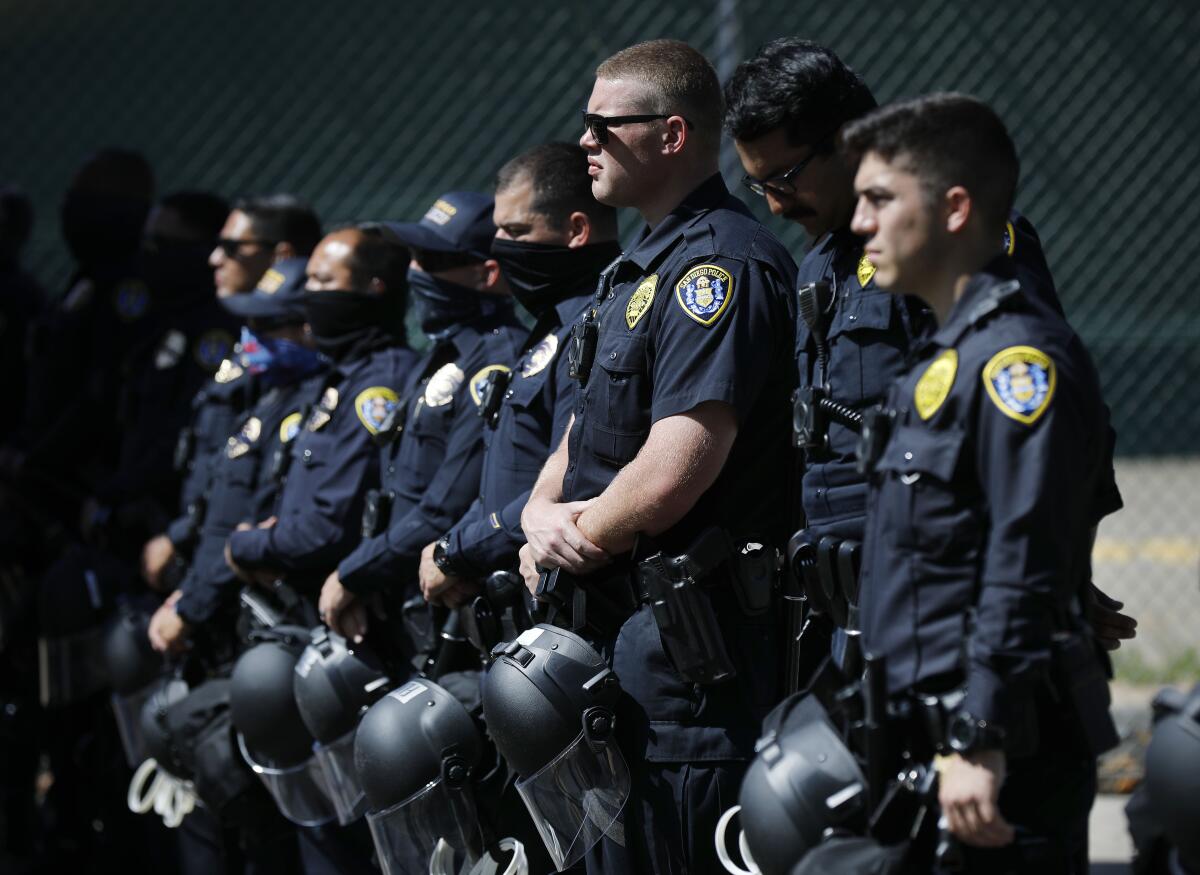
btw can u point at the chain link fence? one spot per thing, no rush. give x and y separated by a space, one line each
371 110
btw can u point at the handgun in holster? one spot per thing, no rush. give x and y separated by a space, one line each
452 650
377 511
687 623
282 460
492 396
499 614
876 430
583 605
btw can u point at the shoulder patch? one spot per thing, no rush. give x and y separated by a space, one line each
440 389
323 412
933 387
640 300
1009 241
289 427
540 356
228 371
212 348
170 350
373 406
131 299
865 271
704 293
240 443
479 381
1020 381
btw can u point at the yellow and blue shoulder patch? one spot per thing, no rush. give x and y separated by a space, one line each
289 427
212 348
240 443
373 406
640 301
540 356
440 389
1009 241
933 388
865 271
131 299
704 293
479 381
1020 381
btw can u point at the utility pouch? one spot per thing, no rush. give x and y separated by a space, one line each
683 613
377 509
755 571
827 560
582 352
802 559
1078 678
185 445
492 396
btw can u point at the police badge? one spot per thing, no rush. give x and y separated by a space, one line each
540 356
440 389
640 301
704 293
934 386
865 271
373 406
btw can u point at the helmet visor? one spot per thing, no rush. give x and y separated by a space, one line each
336 760
406 834
577 798
128 713
71 667
506 858
299 791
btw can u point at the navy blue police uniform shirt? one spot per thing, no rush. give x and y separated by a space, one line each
983 499
216 408
533 417
700 309
433 467
869 337
334 463
242 487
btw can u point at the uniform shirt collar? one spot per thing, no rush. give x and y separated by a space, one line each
985 292
652 243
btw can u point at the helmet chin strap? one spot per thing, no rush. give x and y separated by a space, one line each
723 847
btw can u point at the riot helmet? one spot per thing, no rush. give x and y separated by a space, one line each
132 667
1173 774
415 753
156 734
73 600
334 682
549 701
803 781
271 734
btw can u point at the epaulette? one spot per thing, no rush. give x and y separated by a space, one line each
997 298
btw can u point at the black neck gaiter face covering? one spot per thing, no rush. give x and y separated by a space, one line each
441 304
542 274
347 324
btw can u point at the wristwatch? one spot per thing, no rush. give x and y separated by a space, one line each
967 734
441 557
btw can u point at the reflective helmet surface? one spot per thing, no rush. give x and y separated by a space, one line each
263 703
156 737
129 659
1173 777
334 682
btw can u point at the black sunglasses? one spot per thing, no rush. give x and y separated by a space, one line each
599 124
781 184
233 248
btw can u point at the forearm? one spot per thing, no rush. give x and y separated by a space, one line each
549 483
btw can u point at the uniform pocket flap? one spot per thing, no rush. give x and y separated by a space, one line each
918 451
626 355
863 311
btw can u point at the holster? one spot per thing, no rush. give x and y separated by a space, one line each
492 396
1078 678
377 511
500 614
595 606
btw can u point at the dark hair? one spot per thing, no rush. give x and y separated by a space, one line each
377 254
798 85
558 173
679 81
119 172
945 140
282 218
202 212
16 217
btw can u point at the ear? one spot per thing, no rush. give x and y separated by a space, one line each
676 135
491 280
579 230
283 249
957 205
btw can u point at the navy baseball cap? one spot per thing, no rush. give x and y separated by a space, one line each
279 294
458 221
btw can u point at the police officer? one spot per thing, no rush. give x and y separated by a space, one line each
552 241
239 261
684 358
278 356
433 448
990 470
785 107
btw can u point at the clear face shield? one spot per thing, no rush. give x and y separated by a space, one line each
506 858
299 791
336 761
71 667
577 798
407 834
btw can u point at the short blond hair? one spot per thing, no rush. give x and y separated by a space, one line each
679 81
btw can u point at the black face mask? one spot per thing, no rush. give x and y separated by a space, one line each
441 304
102 229
542 274
177 272
343 323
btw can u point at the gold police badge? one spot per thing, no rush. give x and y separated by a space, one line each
640 300
866 270
323 412
228 371
240 443
540 356
934 386
440 389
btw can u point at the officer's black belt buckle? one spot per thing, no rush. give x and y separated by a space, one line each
492 396
582 351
